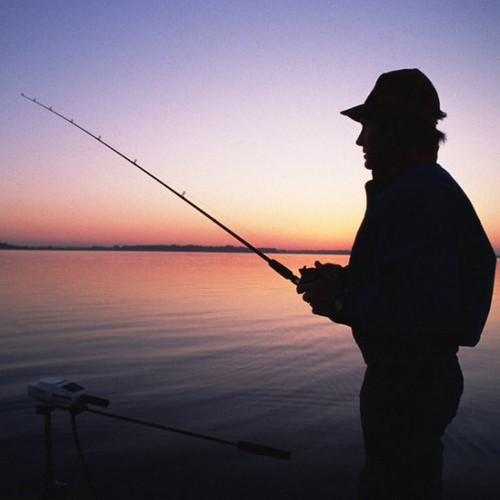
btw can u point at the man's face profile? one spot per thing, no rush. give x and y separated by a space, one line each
374 143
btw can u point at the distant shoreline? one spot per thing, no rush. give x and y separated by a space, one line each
169 248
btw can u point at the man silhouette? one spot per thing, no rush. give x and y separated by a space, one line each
418 284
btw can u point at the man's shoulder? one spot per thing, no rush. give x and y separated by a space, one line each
426 180
427 174
424 188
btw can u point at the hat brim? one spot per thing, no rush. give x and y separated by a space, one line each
356 113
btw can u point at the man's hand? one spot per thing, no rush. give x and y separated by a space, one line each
322 293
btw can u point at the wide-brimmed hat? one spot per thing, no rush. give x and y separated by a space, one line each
407 91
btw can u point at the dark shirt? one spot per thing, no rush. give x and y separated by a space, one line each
420 277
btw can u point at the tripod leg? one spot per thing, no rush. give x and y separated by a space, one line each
50 485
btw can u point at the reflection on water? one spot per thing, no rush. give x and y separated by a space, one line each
215 343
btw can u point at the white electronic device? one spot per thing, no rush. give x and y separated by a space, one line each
61 391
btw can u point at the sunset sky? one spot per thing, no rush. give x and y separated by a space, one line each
236 103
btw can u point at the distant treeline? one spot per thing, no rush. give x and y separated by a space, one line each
167 248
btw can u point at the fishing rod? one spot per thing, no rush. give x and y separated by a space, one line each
274 264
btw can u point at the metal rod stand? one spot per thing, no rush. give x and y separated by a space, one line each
51 488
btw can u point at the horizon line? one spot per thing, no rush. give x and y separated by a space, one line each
169 248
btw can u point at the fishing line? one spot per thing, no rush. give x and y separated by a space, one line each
274 264
7 106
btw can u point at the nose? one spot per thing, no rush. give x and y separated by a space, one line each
360 139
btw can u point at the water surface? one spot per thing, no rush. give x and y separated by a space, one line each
214 343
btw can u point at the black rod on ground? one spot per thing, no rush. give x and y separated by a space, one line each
240 445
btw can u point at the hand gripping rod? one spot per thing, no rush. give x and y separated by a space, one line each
274 264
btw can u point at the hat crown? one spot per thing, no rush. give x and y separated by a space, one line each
406 91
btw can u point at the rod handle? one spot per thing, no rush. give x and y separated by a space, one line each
261 449
283 271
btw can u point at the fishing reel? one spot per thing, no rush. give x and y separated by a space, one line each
308 274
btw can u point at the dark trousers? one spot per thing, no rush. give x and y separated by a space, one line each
404 412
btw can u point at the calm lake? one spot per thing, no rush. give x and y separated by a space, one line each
212 343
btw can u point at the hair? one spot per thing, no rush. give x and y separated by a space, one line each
410 131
